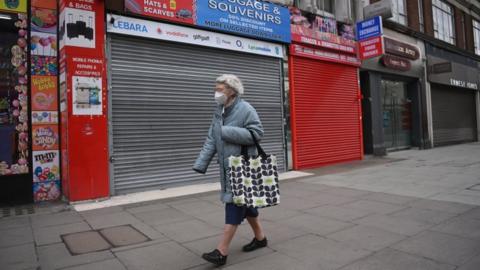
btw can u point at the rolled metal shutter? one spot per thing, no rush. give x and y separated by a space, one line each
162 105
327 113
454 115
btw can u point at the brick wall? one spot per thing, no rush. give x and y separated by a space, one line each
459 28
413 15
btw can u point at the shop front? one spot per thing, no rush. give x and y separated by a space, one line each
394 102
324 92
161 80
29 156
455 85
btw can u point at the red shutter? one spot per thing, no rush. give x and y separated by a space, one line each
326 113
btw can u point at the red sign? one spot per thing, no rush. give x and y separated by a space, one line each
370 48
339 44
395 62
325 55
172 10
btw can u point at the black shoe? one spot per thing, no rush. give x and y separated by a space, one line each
215 257
255 244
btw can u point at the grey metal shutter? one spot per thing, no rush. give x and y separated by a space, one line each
454 115
162 105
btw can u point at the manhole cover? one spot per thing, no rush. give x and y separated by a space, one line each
123 236
85 242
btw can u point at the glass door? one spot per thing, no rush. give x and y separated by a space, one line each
397 115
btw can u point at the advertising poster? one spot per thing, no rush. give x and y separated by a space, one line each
44 20
48 4
172 10
46 191
87 95
44 93
251 18
78 28
46 166
14 5
44 117
43 44
45 137
44 65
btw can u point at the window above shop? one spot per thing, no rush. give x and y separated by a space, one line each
443 21
399 12
476 36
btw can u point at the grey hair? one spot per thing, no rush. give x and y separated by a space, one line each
232 82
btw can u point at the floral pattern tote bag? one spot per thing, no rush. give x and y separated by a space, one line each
254 180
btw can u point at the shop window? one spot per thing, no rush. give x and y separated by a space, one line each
13 95
476 36
399 12
443 21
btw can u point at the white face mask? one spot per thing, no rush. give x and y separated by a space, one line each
220 98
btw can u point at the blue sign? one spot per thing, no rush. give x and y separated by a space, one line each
246 17
369 28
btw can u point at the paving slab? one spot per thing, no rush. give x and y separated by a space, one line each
14 223
468 228
276 233
441 247
147 207
102 211
51 234
347 192
473 214
111 220
367 237
18 257
324 198
162 216
197 208
111 264
189 230
167 255
149 231
389 198
123 236
85 242
316 225
423 215
294 203
473 264
338 212
389 259
450 207
216 219
320 253
374 207
57 256
277 212
61 218
15 237
394 224
273 261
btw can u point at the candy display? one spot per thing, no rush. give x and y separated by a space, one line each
43 44
46 191
44 20
44 65
14 103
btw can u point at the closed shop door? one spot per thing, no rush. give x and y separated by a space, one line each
454 115
326 113
162 105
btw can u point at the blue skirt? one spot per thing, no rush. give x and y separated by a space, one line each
234 214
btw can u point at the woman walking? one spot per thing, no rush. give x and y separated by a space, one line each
232 122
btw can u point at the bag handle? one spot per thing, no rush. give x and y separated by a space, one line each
259 148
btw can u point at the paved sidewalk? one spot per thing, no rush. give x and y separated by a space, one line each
379 214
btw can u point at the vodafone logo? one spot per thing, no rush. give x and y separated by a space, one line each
159 30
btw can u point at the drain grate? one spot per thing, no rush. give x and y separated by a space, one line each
17 211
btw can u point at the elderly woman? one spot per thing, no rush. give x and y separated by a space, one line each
232 122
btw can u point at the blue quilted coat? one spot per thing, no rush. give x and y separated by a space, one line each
228 132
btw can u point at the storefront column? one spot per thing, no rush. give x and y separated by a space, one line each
378 137
477 99
84 143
